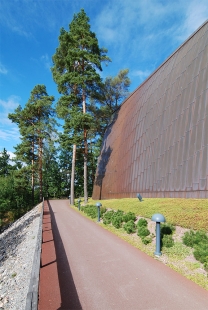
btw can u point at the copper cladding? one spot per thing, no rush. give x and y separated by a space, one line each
157 142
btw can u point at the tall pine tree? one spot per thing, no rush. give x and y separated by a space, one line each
75 70
36 124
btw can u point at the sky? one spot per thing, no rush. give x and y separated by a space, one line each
139 35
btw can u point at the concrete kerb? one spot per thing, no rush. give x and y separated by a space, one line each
32 295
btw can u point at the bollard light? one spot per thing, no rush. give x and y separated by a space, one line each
139 197
79 200
98 205
158 218
70 199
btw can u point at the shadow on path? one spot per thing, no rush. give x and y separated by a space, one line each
69 296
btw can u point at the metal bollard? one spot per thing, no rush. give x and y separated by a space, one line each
79 200
70 199
98 205
139 197
158 218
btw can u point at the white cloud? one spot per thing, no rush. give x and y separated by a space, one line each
196 13
46 61
3 70
10 104
10 134
141 74
8 130
12 155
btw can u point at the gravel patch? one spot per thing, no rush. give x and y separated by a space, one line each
17 248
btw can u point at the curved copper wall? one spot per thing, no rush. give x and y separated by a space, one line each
157 144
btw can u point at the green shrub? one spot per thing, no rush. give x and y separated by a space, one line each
142 223
166 229
118 213
117 221
188 238
130 227
129 216
102 211
146 240
206 264
167 241
191 238
90 210
201 252
107 217
143 231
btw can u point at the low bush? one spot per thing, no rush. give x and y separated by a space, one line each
199 241
143 231
130 216
103 210
166 229
142 223
146 240
117 221
201 252
167 241
107 217
90 210
193 238
188 238
130 227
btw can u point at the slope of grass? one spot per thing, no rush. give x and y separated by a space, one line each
187 213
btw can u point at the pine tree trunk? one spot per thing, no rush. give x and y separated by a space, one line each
85 154
40 170
72 174
33 183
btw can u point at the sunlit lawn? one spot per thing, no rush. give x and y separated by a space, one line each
187 213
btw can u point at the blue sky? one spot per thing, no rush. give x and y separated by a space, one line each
139 35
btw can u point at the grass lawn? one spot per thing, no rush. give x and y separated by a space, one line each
187 213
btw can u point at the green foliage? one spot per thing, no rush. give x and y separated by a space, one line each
146 240
107 217
130 227
143 231
199 241
76 66
102 211
90 210
166 229
36 124
129 216
201 252
117 221
193 238
142 223
167 241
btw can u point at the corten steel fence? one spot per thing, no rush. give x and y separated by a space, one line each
157 143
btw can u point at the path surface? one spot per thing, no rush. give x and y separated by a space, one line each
93 269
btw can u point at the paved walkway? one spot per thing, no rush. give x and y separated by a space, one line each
92 269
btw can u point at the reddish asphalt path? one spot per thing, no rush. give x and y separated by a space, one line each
95 270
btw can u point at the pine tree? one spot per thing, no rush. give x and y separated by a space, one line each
76 62
36 124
